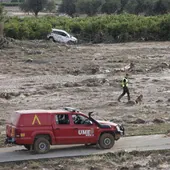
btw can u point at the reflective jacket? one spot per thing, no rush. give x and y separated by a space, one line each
125 82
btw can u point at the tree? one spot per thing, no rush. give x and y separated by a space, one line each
51 5
2 18
89 7
68 7
3 41
110 6
34 6
17 1
160 8
123 4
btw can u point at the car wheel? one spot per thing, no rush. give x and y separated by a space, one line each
106 141
70 42
28 147
52 39
41 145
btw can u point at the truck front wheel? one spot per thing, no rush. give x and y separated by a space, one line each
41 145
106 141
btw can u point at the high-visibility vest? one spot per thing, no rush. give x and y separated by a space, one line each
124 82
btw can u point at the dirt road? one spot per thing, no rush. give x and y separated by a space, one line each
139 143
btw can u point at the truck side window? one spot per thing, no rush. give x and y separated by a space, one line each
79 119
62 119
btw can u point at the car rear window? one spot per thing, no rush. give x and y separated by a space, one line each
14 118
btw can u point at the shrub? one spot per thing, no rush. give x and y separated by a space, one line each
105 28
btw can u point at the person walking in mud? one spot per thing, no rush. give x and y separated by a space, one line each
124 85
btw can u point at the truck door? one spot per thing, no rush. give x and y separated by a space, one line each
84 130
62 129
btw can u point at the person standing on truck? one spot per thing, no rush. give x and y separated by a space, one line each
124 85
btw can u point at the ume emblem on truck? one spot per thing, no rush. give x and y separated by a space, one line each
86 132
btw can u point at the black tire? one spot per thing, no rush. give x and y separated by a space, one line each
51 39
41 146
28 147
70 42
106 141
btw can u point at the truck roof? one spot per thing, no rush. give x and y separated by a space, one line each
36 111
41 111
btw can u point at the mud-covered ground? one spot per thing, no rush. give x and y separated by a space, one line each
155 160
46 75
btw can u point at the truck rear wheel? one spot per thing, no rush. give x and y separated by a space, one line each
41 145
106 141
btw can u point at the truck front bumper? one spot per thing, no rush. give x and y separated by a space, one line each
120 132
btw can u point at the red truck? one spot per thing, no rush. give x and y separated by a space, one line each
38 129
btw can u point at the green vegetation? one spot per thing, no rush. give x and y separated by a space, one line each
106 28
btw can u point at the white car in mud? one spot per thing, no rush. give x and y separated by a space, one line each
61 36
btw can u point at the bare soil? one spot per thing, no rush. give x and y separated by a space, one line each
40 74
47 75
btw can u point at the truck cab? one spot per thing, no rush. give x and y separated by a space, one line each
38 129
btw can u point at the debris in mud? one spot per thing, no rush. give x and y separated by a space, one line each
124 168
112 103
31 52
138 121
29 60
71 84
91 82
168 100
130 103
91 69
159 101
160 67
157 120
50 86
130 67
94 168
86 69
7 96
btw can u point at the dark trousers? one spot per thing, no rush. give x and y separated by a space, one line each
125 90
